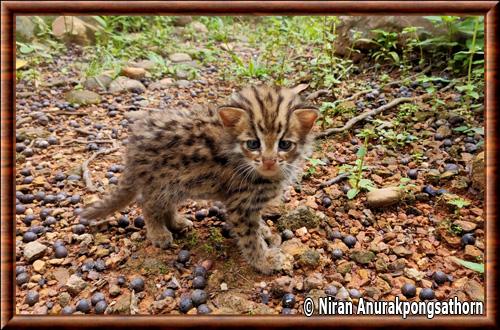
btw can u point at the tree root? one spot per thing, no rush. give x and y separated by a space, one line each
335 180
351 122
85 167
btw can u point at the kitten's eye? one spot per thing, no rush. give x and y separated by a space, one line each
285 145
253 144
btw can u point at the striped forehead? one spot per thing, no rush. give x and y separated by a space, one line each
268 107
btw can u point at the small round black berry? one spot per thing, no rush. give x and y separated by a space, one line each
409 290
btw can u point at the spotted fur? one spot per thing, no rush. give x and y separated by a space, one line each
176 155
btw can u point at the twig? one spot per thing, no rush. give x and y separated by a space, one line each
70 113
85 167
335 180
87 142
84 132
316 94
378 110
397 82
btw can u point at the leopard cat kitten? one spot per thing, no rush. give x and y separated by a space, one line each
242 154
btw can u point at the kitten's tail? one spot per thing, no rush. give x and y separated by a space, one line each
117 200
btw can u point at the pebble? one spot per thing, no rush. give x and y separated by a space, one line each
409 290
96 297
22 278
199 282
183 256
32 298
350 241
199 297
427 294
288 300
137 284
100 307
67 310
203 309
83 306
33 251
287 234
185 304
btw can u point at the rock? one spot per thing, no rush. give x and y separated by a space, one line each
64 299
163 306
61 275
313 281
101 252
199 27
472 253
345 267
143 64
180 57
183 83
381 265
362 256
310 258
342 295
182 20
122 305
97 83
161 84
298 218
282 285
414 274
39 266
75 284
474 290
25 29
365 25
444 131
134 73
114 290
466 226
301 232
294 247
397 265
33 251
383 197
478 173
122 84
72 29
237 303
83 97
401 251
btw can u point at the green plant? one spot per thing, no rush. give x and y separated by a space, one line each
459 202
477 267
387 46
356 179
313 164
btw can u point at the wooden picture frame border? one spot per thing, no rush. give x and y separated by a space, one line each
9 9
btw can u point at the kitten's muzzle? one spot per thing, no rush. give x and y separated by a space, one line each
268 164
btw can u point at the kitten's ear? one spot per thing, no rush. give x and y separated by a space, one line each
231 116
299 88
305 118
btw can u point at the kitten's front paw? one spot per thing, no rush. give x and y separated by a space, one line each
274 260
161 239
274 240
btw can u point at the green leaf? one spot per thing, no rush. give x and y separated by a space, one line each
365 183
352 193
471 265
361 152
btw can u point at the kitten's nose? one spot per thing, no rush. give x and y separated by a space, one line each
268 163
